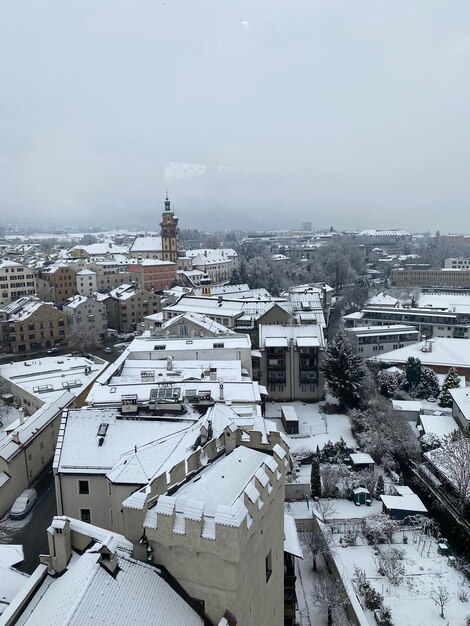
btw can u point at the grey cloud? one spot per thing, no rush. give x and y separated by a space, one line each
345 113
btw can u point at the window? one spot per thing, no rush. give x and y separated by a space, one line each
85 515
269 566
83 487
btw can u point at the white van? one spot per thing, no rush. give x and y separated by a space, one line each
23 504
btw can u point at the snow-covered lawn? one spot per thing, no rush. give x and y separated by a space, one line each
425 570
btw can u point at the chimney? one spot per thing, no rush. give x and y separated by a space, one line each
108 552
169 363
21 415
221 391
16 437
60 544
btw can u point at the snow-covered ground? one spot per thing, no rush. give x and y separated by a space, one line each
425 570
315 427
308 614
341 509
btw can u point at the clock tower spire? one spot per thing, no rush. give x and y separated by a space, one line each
169 232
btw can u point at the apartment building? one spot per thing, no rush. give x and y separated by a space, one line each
86 282
127 305
218 264
92 312
288 361
152 274
110 274
459 263
29 324
27 446
369 341
16 281
447 277
432 322
57 284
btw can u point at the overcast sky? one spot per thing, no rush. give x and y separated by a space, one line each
254 113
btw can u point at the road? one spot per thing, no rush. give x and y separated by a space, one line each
115 352
31 531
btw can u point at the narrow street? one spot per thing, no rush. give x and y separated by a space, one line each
31 531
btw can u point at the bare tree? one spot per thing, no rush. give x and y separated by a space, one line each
440 596
323 509
453 460
318 541
83 338
369 479
329 594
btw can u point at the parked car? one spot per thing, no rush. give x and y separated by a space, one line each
107 350
53 351
23 504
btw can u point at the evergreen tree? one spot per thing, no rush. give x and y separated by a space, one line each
390 382
413 373
344 372
428 385
315 480
380 487
451 381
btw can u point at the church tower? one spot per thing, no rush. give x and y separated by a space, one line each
169 233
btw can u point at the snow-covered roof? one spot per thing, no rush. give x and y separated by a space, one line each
209 256
357 315
217 494
409 502
149 262
207 306
80 449
32 426
147 343
278 335
7 263
124 292
374 331
373 232
12 579
75 301
439 425
48 377
23 308
146 244
86 273
88 594
361 458
238 392
455 302
445 352
406 405
461 397
291 538
107 247
202 321
181 370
